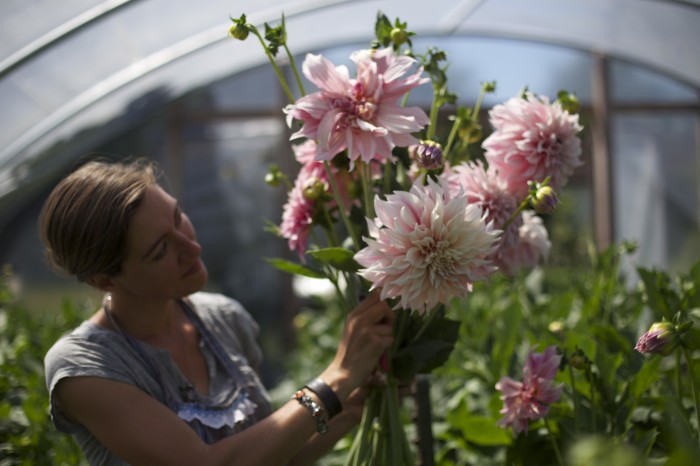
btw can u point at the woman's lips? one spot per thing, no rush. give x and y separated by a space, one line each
196 267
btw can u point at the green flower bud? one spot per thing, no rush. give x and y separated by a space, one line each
239 30
398 36
314 189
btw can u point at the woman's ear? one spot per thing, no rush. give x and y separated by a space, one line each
101 281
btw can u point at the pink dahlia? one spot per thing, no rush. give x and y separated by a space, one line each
298 212
484 188
533 139
426 247
364 114
311 187
532 245
530 399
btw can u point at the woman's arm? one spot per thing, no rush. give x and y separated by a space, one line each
142 430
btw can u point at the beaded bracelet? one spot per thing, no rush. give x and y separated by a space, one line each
327 396
318 413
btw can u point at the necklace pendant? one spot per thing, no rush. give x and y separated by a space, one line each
187 392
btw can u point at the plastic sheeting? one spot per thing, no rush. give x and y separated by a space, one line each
68 65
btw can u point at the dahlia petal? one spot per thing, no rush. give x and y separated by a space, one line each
327 77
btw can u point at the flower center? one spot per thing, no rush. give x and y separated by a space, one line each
439 258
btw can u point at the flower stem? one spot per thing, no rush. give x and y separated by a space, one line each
450 139
396 428
278 72
424 325
574 395
433 119
365 175
560 461
293 64
520 208
693 386
341 210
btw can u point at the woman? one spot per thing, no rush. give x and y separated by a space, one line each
163 373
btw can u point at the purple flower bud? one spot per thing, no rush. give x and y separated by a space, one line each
545 200
661 338
427 154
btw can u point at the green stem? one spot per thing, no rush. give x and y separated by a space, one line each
590 377
424 325
365 175
554 443
278 72
341 210
520 208
679 376
396 429
361 443
387 177
574 395
433 119
450 139
293 64
693 386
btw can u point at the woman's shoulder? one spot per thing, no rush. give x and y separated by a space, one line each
216 306
87 338
89 350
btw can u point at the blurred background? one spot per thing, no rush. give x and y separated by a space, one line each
161 79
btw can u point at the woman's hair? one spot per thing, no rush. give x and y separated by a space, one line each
85 219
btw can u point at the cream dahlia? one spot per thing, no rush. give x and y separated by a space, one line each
426 246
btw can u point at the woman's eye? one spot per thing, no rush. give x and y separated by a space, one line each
161 251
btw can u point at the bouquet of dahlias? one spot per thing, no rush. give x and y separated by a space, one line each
383 200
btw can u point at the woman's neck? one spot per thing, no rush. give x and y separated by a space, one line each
150 321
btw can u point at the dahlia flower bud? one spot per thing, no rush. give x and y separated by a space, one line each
314 189
544 200
661 338
427 154
578 360
398 36
239 30
274 177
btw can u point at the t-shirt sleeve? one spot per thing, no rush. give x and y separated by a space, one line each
73 356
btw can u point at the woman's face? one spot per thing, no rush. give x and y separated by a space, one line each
163 257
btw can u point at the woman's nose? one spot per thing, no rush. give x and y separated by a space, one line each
188 244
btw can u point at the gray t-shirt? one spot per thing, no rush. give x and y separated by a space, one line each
92 350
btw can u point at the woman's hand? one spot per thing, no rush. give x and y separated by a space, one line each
366 335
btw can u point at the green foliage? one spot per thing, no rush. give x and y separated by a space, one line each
618 406
27 436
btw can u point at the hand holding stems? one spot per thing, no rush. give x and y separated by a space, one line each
366 335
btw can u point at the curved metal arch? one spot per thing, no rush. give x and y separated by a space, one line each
60 33
141 68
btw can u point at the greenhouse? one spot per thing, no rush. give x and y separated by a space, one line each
206 91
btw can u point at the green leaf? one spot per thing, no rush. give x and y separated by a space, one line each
480 430
430 350
645 377
294 268
659 295
339 258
